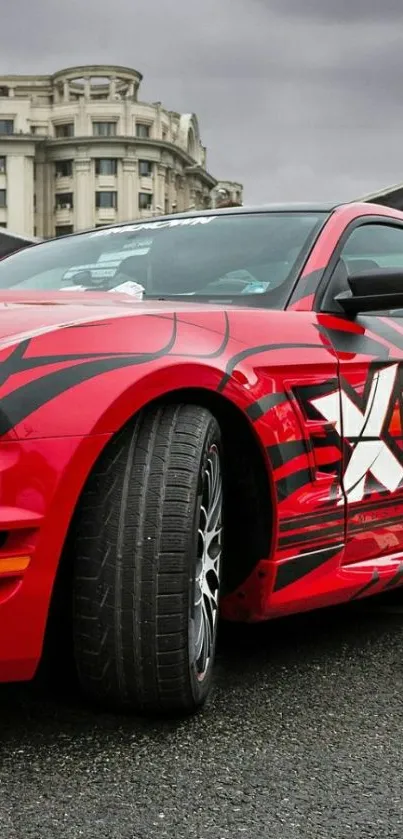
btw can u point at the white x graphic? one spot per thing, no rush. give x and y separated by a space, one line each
370 453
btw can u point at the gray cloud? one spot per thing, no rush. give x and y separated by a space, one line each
299 100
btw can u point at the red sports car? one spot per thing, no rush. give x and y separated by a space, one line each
196 407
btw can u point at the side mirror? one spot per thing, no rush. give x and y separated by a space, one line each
372 290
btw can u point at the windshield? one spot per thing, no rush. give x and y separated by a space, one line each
253 256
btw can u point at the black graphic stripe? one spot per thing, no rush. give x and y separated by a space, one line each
282 453
294 569
263 405
312 519
305 394
325 515
331 440
396 580
289 484
367 587
326 531
331 467
331 529
13 362
250 351
311 536
375 525
307 285
384 329
351 342
215 353
23 401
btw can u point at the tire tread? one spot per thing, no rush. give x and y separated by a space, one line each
133 545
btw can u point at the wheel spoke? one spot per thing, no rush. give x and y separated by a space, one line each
208 563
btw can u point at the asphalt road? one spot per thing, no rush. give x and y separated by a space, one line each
303 738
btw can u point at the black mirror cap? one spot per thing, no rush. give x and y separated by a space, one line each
378 289
352 305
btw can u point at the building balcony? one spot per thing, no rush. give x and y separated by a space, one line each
105 215
146 184
63 215
146 214
106 182
64 184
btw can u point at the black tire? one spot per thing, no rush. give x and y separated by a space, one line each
136 547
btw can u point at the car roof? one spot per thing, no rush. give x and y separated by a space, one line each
289 207
310 207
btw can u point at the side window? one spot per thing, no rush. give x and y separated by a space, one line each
374 246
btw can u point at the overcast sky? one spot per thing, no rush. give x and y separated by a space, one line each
297 99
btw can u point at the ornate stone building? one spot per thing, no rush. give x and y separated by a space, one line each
79 149
225 191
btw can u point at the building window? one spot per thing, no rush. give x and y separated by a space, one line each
3 166
106 200
66 129
145 168
104 129
6 126
63 168
142 130
145 201
106 166
63 229
64 201
3 198
4 91
3 224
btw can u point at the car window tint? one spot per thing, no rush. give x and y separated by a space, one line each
236 256
374 246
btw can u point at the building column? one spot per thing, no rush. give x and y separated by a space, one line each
84 194
20 194
128 189
87 88
158 122
112 89
159 189
187 193
171 191
130 91
181 195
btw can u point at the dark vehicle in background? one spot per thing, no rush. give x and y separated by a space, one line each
12 242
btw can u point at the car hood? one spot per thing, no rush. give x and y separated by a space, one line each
25 315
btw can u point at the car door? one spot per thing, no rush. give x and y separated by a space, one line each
367 410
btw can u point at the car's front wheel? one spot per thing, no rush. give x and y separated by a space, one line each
148 559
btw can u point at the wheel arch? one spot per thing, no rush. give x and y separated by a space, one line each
248 480
250 497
